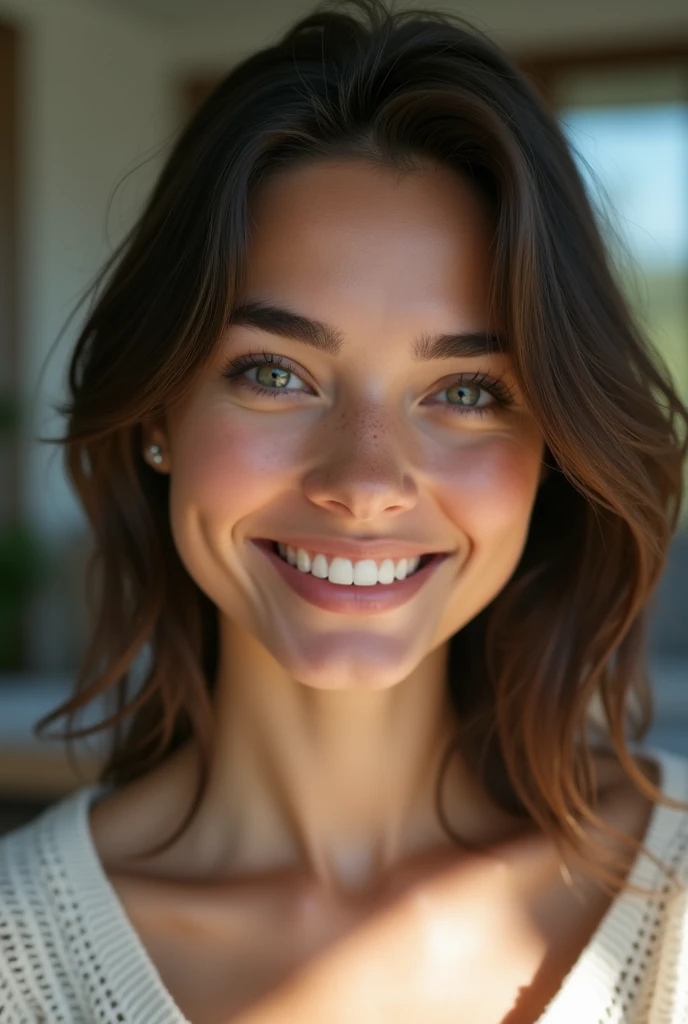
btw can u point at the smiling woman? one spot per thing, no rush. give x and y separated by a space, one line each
382 473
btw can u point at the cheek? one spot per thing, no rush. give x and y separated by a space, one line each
223 471
226 470
489 488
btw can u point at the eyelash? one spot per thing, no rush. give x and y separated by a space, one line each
234 368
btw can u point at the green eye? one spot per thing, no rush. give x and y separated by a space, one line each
458 388
478 382
276 376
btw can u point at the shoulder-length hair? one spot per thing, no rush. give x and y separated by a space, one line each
356 79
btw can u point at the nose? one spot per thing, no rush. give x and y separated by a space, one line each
361 471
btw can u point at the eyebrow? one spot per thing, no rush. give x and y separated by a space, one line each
286 324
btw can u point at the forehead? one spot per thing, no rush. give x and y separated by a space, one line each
354 238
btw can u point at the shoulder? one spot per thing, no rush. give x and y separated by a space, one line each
671 965
661 825
678 858
668 832
22 905
668 839
34 971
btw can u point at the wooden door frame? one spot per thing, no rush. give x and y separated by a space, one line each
543 69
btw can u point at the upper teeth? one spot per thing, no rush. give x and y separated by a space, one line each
365 573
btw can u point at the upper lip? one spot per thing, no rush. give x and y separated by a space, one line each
356 551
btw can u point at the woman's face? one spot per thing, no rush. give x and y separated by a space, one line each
368 442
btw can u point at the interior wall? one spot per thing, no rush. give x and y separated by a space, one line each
212 33
94 102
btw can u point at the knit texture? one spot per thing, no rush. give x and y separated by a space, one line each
69 953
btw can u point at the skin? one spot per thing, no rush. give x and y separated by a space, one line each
330 727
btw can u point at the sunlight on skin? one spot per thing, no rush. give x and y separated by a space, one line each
320 814
359 460
439 959
316 862
369 446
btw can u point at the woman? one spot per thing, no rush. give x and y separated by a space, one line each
382 475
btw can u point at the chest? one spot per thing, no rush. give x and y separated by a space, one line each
440 958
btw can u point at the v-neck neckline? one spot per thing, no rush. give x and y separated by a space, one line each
132 974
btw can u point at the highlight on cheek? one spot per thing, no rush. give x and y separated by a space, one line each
283 372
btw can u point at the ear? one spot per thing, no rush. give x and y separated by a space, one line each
154 433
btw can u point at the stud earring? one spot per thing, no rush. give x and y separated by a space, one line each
155 452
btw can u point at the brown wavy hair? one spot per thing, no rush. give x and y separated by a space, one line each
359 79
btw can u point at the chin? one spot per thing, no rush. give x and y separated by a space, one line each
351 661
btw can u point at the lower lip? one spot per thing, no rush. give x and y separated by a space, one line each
352 600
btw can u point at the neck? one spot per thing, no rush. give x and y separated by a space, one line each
338 785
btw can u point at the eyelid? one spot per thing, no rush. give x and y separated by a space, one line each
262 357
500 387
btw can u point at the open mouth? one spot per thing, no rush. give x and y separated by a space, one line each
379 586
389 571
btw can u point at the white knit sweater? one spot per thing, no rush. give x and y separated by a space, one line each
70 955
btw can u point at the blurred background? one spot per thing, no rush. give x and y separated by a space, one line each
92 93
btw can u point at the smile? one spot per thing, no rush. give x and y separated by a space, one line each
347 596
344 572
